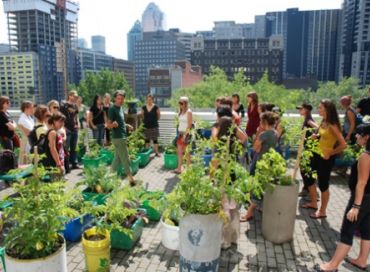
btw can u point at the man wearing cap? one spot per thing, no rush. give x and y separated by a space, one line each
363 106
116 123
69 109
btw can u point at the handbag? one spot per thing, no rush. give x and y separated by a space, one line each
16 141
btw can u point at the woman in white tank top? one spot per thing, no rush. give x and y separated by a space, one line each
185 123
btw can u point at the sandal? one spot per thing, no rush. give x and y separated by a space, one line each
350 261
307 206
317 216
318 269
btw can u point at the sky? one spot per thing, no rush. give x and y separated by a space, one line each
114 18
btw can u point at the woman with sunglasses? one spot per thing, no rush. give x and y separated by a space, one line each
357 213
185 124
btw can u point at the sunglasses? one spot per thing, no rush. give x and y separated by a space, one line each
181 103
56 108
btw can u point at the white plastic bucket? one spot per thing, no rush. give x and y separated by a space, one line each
170 236
200 243
56 262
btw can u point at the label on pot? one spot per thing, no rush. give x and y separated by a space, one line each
200 238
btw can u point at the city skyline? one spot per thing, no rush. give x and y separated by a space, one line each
189 16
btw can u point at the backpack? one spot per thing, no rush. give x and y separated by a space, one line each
33 141
8 161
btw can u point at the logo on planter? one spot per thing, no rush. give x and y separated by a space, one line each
195 236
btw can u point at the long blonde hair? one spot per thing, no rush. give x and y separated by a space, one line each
184 100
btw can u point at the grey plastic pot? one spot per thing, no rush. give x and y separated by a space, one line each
279 213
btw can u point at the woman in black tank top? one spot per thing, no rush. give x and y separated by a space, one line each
357 214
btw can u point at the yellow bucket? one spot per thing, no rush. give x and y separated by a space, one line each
97 253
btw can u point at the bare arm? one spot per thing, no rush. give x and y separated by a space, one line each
53 149
241 135
257 145
190 120
313 124
352 122
363 176
90 120
158 114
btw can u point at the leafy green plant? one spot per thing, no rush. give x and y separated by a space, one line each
119 213
311 147
39 214
136 140
199 192
100 180
271 170
93 150
171 149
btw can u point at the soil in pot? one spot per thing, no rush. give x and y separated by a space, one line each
59 243
95 237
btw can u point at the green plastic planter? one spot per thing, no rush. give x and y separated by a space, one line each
107 155
134 167
144 157
92 163
170 161
99 199
123 241
152 213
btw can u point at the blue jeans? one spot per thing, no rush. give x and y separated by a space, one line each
98 133
72 137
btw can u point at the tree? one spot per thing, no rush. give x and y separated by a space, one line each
105 81
204 93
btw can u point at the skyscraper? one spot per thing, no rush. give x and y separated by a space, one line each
135 34
82 43
355 42
153 19
98 43
311 42
161 48
48 28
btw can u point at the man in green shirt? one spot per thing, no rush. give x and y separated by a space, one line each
116 122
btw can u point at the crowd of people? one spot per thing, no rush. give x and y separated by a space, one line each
54 130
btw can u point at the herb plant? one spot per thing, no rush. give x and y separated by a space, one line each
100 180
39 213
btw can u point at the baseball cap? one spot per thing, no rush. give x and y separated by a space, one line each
73 92
304 106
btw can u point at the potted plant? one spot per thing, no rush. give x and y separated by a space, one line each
122 218
200 196
170 231
33 243
82 143
153 202
348 157
108 154
280 198
132 106
136 145
92 157
77 214
99 182
170 157
96 247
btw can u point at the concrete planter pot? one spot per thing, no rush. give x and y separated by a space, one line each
279 213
